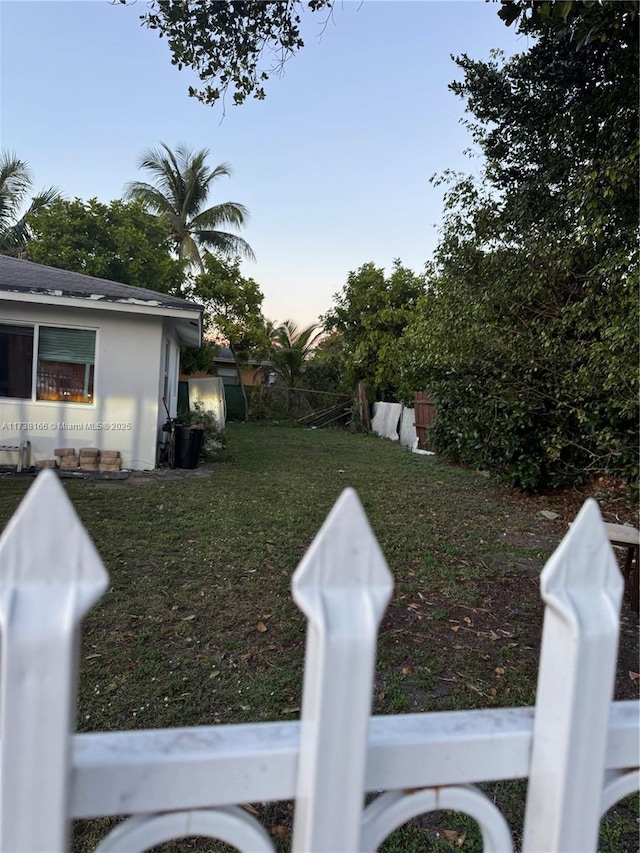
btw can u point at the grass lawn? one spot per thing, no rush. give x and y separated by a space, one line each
199 627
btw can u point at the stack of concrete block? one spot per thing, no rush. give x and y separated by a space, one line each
110 460
89 458
46 463
68 459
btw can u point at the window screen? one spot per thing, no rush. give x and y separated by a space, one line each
66 360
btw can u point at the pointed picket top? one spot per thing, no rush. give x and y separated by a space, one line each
583 562
582 588
45 545
50 575
344 555
343 585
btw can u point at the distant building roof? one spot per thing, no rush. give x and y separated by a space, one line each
225 354
19 276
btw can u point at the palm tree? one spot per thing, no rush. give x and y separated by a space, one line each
292 347
16 182
181 183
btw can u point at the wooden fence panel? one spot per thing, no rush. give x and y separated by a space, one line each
425 415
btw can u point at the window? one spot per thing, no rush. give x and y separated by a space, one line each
65 364
16 361
64 368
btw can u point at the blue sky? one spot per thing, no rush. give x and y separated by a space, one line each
334 165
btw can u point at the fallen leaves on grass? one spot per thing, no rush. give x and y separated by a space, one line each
280 831
261 627
452 835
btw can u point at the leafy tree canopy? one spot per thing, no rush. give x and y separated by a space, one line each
225 42
581 21
237 46
200 359
119 241
233 309
325 370
527 336
371 313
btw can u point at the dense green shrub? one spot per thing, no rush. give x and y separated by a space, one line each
528 335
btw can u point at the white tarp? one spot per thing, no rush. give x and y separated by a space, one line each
385 419
408 434
210 393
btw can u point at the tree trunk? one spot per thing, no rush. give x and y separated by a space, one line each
244 393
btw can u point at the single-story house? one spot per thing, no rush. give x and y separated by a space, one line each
85 362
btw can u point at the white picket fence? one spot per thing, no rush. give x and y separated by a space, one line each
578 749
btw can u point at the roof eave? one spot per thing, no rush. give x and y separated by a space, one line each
101 303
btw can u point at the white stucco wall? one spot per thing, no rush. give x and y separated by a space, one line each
169 336
128 375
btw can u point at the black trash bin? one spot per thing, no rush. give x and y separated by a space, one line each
188 446
196 440
183 433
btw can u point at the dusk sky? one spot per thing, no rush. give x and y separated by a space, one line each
334 165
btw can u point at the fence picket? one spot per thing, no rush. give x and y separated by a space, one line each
582 588
50 575
343 586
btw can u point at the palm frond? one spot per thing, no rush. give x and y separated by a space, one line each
14 172
188 251
292 347
180 184
200 180
15 182
20 232
290 337
150 196
43 199
228 213
166 172
229 245
308 337
222 170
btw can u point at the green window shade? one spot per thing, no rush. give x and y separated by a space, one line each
76 346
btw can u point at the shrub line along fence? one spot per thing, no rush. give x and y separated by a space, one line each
578 749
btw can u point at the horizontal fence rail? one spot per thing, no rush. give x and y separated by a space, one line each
141 771
578 749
